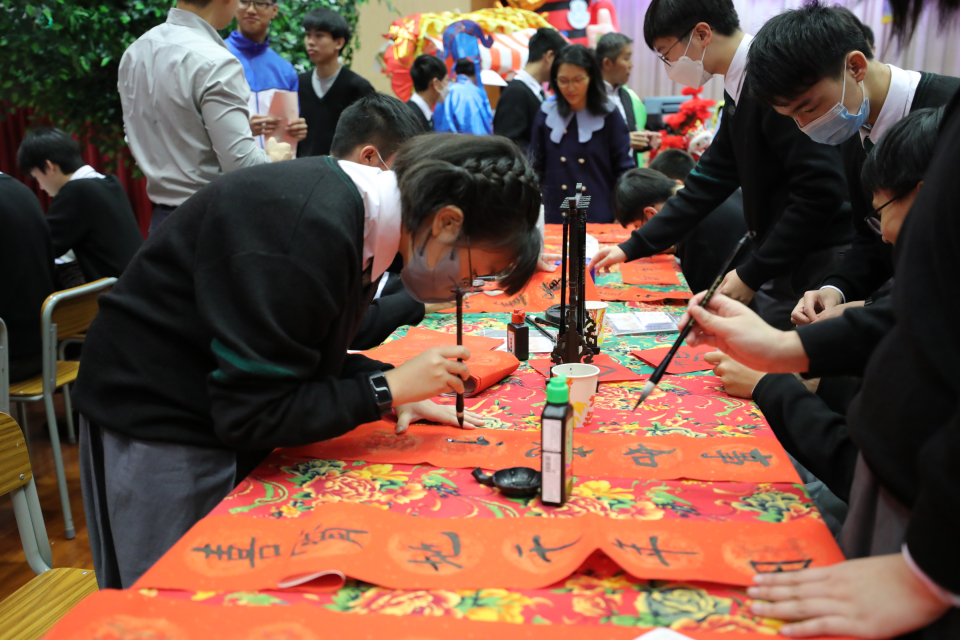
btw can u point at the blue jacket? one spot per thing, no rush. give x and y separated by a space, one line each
466 109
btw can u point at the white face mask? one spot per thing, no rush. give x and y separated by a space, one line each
445 91
688 72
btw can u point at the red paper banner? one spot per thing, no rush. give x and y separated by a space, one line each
686 360
402 552
604 233
541 292
610 369
626 293
595 455
115 615
649 273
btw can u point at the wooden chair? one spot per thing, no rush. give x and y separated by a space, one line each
39 604
65 314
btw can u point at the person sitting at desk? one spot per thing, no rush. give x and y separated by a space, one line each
579 137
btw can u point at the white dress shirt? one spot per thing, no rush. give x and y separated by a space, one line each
531 82
381 214
424 107
613 95
185 111
86 171
903 87
733 81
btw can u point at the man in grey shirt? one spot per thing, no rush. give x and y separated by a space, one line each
184 101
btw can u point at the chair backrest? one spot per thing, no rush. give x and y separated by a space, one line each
15 469
72 310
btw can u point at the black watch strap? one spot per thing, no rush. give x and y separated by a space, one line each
381 391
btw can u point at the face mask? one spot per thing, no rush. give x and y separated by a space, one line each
687 72
427 285
445 91
837 125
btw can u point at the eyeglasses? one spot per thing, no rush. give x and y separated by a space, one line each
873 219
258 4
579 80
663 56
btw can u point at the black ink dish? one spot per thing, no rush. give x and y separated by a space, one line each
515 482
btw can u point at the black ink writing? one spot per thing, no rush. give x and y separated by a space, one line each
739 458
435 557
249 554
644 456
653 550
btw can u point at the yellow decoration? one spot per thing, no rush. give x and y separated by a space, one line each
527 5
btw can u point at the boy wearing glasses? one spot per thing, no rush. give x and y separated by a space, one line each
265 70
793 189
816 66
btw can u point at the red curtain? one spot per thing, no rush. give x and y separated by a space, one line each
14 126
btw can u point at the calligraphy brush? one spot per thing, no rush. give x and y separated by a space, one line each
654 379
536 326
460 344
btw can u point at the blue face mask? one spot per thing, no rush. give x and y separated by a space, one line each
838 124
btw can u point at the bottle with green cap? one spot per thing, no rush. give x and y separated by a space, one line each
556 440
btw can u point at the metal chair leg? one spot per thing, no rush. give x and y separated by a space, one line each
58 465
36 516
31 550
68 407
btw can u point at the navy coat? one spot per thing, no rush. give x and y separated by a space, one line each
562 160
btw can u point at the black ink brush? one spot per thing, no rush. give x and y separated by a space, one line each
460 344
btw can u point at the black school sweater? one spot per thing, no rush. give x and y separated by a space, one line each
517 108
794 192
869 261
94 218
230 327
906 420
26 266
323 114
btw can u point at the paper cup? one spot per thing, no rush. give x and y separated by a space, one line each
597 311
582 379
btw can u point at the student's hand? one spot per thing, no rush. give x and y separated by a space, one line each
837 311
546 262
297 129
432 412
813 303
655 140
606 258
733 287
738 380
433 372
878 597
278 151
263 125
640 139
743 335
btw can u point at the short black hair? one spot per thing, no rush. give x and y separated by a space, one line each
797 49
637 189
675 18
610 45
676 164
899 161
376 119
47 143
580 56
490 179
323 19
424 69
544 40
868 35
465 67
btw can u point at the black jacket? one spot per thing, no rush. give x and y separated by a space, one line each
415 108
869 261
322 114
94 218
794 192
516 110
230 327
26 262
704 250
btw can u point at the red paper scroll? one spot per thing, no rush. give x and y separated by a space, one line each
604 233
610 369
597 455
235 553
113 615
625 293
686 360
649 273
541 292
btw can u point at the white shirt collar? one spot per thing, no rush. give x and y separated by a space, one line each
531 82
613 95
424 107
733 81
903 87
381 214
86 171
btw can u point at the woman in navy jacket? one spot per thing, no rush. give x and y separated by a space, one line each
579 138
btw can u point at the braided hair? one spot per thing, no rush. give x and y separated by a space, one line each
486 177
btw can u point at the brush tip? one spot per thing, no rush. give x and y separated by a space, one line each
647 390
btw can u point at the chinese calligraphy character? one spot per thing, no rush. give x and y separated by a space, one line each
332 533
534 452
435 557
738 458
654 550
542 551
643 456
579 451
232 553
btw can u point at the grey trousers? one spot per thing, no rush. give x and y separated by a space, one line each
140 497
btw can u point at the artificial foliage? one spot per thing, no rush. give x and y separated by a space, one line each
60 58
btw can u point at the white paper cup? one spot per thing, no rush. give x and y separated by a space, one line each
597 311
582 379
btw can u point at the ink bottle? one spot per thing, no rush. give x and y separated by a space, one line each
556 444
518 336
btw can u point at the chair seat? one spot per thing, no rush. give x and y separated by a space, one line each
66 373
39 604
